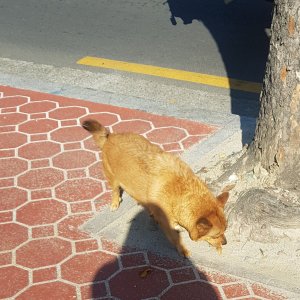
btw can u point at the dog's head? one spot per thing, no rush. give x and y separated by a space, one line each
211 224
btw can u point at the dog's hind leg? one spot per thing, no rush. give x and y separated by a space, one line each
116 196
116 189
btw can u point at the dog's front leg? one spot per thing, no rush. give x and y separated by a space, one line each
173 235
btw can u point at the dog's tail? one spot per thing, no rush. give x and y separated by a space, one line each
99 132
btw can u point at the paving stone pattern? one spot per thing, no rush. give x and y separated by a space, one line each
51 182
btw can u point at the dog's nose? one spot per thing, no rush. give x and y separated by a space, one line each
224 241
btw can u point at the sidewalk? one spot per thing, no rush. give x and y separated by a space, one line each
51 186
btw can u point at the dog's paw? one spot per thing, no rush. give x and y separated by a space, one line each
176 227
184 252
114 206
219 249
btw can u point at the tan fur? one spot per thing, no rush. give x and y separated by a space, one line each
163 184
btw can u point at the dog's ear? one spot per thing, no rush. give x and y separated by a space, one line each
203 226
222 199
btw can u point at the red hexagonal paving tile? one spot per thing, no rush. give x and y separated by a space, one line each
11 198
96 171
252 298
216 277
41 212
5 258
38 137
182 275
172 147
263 292
236 290
90 144
12 235
102 200
69 123
72 146
131 260
78 189
7 128
6 216
12 140
93 291
8 110
193 291
74 159
78 207
13 101
49 291
41 194
137 126
69 227
12 280
69 134
12 166
7 153
79 173
193 128
39 150
40 178
114 247
37 107
38 116
85 246
89 267
42 163
166 135
166 262
42 231
105 118
44 274
191 140
64 113
43 252
7 182
38 126
129 285
12 119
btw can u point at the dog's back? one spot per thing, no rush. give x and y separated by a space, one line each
140 167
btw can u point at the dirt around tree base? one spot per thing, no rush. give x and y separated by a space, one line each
266 215
263 231
258 210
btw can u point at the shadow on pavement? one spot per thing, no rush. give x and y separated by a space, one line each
154 277
238 29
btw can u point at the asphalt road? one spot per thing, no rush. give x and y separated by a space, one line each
205 36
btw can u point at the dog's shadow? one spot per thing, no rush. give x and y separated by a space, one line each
159 273
146 234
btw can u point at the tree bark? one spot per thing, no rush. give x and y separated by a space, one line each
267 208
276 144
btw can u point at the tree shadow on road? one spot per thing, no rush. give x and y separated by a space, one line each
239 30
150 268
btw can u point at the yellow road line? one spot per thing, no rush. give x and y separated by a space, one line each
212 80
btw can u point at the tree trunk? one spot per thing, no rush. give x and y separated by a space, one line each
276 144
267 208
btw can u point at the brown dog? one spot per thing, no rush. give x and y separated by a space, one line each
163 184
